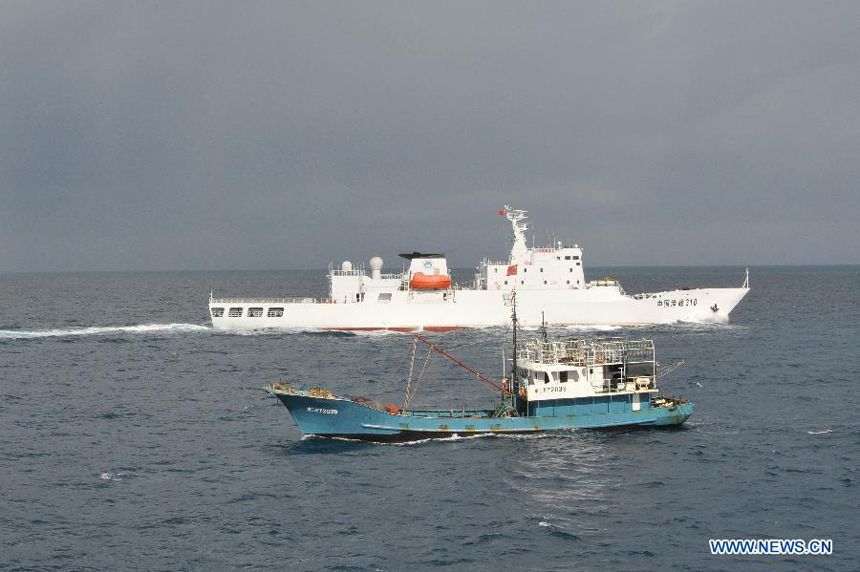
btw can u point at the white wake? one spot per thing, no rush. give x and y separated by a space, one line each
102 330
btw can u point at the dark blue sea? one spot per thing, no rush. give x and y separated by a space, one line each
136 438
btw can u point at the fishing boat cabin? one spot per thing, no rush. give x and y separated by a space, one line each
584 376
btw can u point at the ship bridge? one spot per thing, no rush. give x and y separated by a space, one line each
557 267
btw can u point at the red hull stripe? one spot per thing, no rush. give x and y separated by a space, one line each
404 330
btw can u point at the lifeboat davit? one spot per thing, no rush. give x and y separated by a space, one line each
421 281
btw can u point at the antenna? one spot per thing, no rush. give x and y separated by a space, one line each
543 327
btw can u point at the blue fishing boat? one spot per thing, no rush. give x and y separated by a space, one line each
588 383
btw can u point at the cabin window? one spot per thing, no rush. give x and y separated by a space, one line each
275 312
235 313
384 298
567 257
571 269
544 282
217 312
576 257
506 282
522 281
577 263
496 270
568 281
255 312
562 377
541 269
525 269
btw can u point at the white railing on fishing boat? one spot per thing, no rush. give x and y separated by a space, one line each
585 352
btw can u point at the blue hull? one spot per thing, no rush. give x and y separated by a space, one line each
339 417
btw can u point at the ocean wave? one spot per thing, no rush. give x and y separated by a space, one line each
113 476
102 330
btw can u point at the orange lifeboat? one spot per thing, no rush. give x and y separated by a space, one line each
421 281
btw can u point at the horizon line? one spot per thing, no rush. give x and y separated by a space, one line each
454 268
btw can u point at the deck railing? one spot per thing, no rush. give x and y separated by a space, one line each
294 300
586 352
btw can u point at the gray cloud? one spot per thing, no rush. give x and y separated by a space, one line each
199 135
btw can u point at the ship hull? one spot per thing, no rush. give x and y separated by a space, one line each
344 418
439 311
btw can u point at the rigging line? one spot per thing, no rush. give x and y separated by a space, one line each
409 379
436 348
421 376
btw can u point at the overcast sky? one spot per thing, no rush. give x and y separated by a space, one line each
275 135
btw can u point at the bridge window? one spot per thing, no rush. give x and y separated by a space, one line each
255 312
576 257
541 269
235 313
384 298
562 377
567 257
275 312
217 312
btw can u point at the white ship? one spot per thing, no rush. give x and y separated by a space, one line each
549 282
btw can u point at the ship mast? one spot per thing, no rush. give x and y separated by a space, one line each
515 382
519 250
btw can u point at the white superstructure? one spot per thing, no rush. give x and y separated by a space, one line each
550 284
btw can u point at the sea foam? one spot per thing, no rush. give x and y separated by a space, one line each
102 330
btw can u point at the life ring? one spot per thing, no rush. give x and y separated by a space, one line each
523 391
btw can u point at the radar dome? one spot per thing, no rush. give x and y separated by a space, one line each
346 266
376 268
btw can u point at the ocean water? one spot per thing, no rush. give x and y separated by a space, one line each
136 438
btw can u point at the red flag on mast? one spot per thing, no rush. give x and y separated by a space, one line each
501 213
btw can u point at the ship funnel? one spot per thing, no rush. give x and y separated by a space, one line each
346 265
375 267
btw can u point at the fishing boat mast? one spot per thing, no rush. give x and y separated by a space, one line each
515 381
